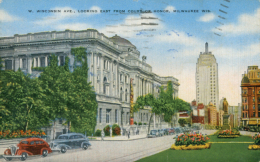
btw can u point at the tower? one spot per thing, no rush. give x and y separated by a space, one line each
207 89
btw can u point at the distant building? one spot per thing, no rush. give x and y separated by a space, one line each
220 116
250 96
197 112
212 114
207 89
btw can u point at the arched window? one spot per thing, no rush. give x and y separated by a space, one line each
125 95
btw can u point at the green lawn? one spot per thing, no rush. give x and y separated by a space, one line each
223 152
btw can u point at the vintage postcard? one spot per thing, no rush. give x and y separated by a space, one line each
129 80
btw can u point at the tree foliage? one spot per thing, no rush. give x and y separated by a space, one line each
31 103
21 102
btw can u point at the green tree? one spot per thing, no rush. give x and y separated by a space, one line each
69 94
21 105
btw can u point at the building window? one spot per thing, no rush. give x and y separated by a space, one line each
60 121
62 62
24 63
97 60
243 115
104 87
253 114
125 95
121 94
42 61
100 115
126 79
253 107
8 65
115 116
121 77
253 99
108 115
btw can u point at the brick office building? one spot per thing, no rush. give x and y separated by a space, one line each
250 96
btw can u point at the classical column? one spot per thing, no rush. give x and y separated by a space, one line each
39 62
29 65
46 61
116 79
94 70
20 63
101 73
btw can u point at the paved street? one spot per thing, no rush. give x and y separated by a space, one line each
113 151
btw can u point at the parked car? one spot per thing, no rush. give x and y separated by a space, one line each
171 131
153 133
27 147
70 141
165 132
161 132
178 130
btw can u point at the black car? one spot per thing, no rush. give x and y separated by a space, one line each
70 141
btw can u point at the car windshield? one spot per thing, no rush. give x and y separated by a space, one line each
153 132
63 137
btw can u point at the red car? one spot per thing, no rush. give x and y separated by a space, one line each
27 147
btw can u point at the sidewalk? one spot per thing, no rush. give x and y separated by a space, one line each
121 138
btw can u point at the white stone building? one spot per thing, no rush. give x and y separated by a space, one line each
207 89
112 63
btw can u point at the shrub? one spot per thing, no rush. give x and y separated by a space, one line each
139 123
20 133
257 139
98 133
144 123
228 132
116 130
107 130
135 123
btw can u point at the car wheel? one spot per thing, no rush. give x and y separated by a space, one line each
85 146
24 156
44 153
8 158
63 149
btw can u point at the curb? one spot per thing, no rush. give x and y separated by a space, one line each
120 140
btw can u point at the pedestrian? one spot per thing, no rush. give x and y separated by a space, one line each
128 134
102 135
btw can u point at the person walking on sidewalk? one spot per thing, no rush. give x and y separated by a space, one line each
102 135
128 134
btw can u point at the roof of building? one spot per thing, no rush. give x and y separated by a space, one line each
121 41
245 80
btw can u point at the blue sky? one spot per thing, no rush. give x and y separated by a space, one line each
172 47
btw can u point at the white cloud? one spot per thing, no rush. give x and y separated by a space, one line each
247 24
170 8
179 37
6 17
0 1
74 26
131 26
207 17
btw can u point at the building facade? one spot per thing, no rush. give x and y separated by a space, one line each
112 63
197 112
207 89
212 114
250 97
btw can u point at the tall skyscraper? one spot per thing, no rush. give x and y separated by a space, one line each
207 79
